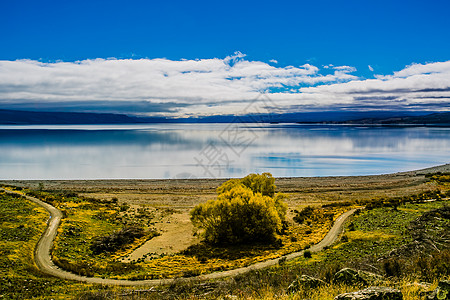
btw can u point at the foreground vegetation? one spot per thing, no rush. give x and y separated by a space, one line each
246 211
21 225
91 240
374 242
404 239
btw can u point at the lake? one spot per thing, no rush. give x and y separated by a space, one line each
152 151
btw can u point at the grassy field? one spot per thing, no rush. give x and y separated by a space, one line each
100 209
21 226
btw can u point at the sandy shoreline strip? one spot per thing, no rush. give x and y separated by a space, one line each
211 183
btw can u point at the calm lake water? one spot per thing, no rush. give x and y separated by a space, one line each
215 150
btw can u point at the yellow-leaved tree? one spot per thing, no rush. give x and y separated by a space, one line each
246 211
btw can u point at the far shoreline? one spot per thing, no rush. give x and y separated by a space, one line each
205 184
433 169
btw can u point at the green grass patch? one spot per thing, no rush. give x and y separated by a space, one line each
21 226
86 220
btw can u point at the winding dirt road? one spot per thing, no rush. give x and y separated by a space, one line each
46 265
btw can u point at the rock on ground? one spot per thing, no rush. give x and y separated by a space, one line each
348 276
372 293
304 282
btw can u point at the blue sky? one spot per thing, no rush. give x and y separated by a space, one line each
367 40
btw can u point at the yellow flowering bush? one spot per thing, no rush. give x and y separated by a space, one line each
245 211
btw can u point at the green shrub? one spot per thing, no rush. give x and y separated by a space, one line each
392 268
116 240
263 184
304 214
124 207
338 204
312 214
244 212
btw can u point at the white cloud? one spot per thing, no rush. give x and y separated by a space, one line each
344 69
421 69
370 68
273 61
211 86
417 86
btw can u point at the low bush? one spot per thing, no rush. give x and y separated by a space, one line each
339 204
246 211
304 214
392 268
314 215
116 240
394 202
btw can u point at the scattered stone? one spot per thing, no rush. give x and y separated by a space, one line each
442 292
304 282
348 276
372 293
371 278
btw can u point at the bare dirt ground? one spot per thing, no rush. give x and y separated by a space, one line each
176 235
180 196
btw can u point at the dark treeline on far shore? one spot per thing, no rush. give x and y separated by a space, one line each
428 118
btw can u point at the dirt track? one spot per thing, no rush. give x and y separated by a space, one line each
45 264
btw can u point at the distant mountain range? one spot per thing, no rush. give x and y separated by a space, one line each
17 117
442 118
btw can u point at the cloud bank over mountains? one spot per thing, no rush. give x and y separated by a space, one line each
215 86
